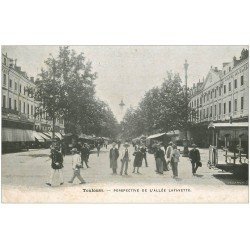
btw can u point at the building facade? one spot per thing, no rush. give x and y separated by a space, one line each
23 118
221 97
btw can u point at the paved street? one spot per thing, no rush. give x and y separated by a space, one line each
27 172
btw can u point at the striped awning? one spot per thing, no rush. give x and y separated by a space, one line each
17 135
38 136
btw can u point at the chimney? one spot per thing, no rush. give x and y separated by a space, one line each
18 68
32 79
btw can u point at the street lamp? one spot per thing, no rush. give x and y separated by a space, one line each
185 141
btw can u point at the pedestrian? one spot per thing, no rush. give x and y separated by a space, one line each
175 158
194 156
138 160
98 147
159 155
76 166
56 164
85 155
63 148
168 155
125 159
144 153
113 156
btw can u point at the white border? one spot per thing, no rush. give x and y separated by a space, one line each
124 226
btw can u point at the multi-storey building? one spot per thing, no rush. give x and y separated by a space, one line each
222 96
22 123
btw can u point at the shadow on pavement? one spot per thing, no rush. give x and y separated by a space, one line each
231 179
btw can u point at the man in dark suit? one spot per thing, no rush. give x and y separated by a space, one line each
194 156
85 154
113 156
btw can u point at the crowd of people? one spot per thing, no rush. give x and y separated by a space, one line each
166 159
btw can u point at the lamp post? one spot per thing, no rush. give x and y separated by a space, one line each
185 141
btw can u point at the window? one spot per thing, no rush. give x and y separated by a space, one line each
9 103
219 91
229 86
201 101
200 114
207 112
211 96
15 105
241 80
197 102
225 108
229 69
31 109
235 83
204 114
224 72
219 108
4 79
24 107
215 110
229 107
211 111
28 109
235 105
20 89
4 101
15 86
215 93
225 89
10 83
19 105
242 103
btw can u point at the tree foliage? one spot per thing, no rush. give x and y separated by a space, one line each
66 89
162 109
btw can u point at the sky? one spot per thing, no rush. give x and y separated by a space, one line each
127 72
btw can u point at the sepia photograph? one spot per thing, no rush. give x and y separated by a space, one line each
124 124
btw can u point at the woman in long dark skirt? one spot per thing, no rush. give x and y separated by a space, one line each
138 160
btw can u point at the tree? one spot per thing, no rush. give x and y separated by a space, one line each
66 89
162 109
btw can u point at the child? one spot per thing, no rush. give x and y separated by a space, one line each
76 164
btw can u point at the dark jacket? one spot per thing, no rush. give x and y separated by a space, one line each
159 153
56 157
116 153
85 152
194 155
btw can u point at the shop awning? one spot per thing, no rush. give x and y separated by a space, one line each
228 125
46 137
38 136
57 134
17 135
156 136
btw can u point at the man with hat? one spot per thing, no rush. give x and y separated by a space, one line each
85 154
125 158
113 156
143 150
159 155
76 166
169 151
194 156
56 164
